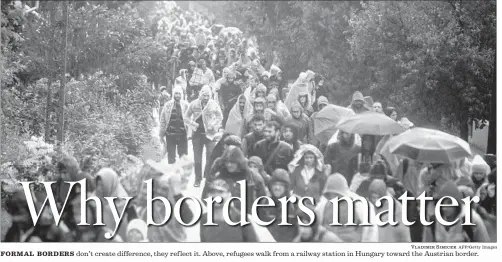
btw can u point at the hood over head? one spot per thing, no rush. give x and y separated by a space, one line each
257 161
271 98
177 89
281 175
378 170
378 187
479 165
336 183
234 154
322 100
261 88
451 190
274 70
205 90
233 140
358 96
296 104
70 164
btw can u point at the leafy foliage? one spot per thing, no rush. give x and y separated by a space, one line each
434 61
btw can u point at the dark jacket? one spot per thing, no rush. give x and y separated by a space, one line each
248 143
312 189
263 149
227 233
343 157
284 233
255 185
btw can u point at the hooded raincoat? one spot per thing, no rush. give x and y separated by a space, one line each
457 232
165 116
337 184
211 114
112 188
358 96
399 233
237 117
301 123
307 182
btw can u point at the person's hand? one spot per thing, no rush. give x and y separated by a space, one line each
327 170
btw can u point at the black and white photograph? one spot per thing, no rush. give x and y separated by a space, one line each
248 121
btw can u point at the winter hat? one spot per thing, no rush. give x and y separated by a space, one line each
233 140
139 225
162 88
378 170
479 165
379 187
336 183
265 73
322 100
280 175
451 190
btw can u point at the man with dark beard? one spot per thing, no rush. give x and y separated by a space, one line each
258 109
172 126
343 155
273 152
258 123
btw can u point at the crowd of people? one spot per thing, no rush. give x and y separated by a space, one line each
252 126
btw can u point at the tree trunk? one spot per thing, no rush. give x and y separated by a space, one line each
48 112
63 79
492 128
464 130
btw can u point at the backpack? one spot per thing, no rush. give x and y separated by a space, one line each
467 229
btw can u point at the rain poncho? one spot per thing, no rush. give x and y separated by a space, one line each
211 114
337 183
301 123
300 85
165 116
358 96
112 188
280 107
301 152
307 106
456 232
307 182
399 233
237 117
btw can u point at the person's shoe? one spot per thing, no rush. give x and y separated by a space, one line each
197 184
